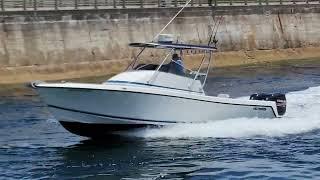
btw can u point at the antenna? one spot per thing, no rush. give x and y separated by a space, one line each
184 6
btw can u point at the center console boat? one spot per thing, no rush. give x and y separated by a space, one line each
150 95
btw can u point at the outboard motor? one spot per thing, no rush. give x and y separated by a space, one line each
279 98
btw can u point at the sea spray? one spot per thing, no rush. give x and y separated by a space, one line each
302 116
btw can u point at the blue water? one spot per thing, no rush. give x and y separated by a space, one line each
34 146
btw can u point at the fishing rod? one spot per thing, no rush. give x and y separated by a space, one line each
214 31
216 26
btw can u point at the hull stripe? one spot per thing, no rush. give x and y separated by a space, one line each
109 116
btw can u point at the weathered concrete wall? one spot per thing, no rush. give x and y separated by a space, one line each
55 37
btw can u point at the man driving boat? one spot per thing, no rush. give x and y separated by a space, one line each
176 65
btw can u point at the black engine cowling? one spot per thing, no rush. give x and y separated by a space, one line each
279 98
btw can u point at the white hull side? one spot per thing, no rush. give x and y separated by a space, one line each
102 106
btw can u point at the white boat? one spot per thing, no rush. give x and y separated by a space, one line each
149 95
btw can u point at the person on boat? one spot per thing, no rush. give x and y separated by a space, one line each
176 65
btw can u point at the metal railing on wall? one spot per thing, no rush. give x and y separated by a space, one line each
24 5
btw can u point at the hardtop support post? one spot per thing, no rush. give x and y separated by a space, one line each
155 74
198 71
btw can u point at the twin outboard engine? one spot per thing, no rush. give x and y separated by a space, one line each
279 98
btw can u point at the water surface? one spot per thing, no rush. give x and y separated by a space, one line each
34 146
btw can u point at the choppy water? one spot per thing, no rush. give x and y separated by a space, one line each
34 146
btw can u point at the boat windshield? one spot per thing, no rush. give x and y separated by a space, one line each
174 66
174 61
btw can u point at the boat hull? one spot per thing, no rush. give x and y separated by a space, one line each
99 130
95 112
93 125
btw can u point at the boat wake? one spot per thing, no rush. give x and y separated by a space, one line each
302 116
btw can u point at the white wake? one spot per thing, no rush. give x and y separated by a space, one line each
302 116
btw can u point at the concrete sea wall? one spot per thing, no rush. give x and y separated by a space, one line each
77 43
